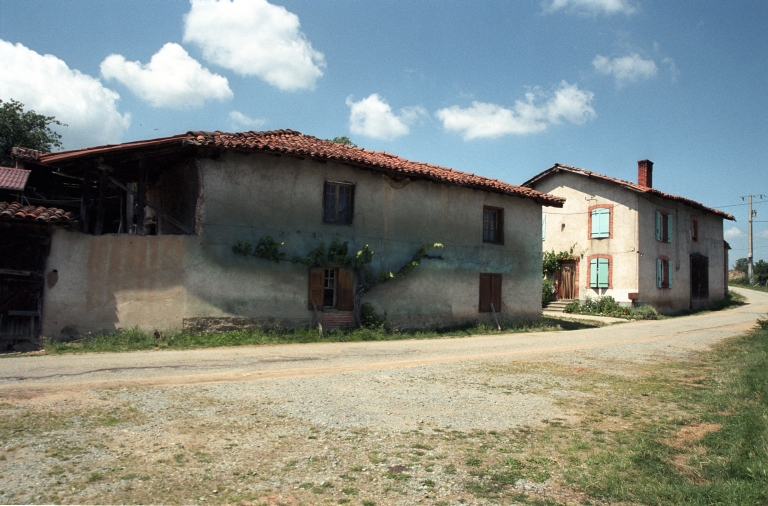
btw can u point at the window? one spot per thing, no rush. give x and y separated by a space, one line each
663 226
694 230
599 272
600 218
331 288
493 225
337 203
663 273
490 292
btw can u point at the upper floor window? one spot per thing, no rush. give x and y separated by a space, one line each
337 203
600 218
694 230
663 226
493 225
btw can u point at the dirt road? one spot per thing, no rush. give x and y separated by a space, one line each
396 422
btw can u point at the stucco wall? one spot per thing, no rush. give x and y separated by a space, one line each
569 227
247 196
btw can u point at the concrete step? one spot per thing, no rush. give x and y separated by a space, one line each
558 305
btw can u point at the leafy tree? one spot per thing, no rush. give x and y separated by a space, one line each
742 265
344 140
25 129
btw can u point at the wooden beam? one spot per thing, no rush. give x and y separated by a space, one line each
157 209
141 198
85 199
100 210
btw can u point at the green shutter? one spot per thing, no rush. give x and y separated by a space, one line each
669 274
658 226
595 223
669 228
601 222
593 273
602 273
543 227
605 223
659 273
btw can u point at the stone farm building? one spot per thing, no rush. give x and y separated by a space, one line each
632 241
156 222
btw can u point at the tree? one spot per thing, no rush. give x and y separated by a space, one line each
741 265
25 129
346 141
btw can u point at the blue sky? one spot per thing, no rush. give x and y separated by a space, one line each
500 89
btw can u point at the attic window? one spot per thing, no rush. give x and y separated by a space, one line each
338 202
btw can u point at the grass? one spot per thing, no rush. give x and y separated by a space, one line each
135 339
759 288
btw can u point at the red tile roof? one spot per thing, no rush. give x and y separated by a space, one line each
294 143
13 179
632 186
18 211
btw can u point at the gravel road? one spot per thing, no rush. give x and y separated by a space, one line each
280 407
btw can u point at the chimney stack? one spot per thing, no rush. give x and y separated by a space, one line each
645 173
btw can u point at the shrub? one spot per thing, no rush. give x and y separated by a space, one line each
370 319
646 313
547 291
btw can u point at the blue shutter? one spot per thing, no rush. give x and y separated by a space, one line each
659 273
669 274
669 228
601 222
593 273
595 223
658 226
543 227
602 273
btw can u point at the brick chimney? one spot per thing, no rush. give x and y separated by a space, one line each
645 173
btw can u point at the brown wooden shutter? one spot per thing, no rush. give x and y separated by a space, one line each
500 229
496 292
345 291
485 293
316 286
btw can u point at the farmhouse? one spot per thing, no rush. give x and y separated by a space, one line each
632 241
157 221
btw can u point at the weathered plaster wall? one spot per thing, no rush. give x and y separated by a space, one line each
710 244
569 227
116 281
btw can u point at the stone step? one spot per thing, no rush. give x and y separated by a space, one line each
558 305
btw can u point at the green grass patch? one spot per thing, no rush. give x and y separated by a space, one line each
135 339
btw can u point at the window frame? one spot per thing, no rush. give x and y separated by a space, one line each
663 226
351 206
344 289
663 272
592 213
694 229
606 260
489 290
499 211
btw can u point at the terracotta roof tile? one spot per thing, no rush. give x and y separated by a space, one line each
13 179
627 184
295 143
18 211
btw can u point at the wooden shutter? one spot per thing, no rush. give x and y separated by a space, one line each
496 292
485 293
316 286
605 223
593 273
659 273
669 274
602 273
669 228
345 290
500 227
658 225
595 223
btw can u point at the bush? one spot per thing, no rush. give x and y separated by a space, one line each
547 292
607 306
370 319
646 313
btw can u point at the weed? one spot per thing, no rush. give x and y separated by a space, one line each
94 477
449 469
369 503
349 491
428 483
376 457
473 462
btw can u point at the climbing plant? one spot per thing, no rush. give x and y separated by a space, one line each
337 254
551 260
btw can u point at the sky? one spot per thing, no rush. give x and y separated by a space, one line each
499 89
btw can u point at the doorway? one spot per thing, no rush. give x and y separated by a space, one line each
699 282
566 281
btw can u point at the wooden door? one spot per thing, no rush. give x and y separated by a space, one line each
566 288
699 282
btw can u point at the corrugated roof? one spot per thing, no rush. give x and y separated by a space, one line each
629 185
294 143
18 211
13 179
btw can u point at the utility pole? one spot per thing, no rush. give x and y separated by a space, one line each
750 256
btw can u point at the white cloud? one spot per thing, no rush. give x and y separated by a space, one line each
567 103
254 38
373 117
590 6
240 120
763 234
626 69
172 78
48 86
734 233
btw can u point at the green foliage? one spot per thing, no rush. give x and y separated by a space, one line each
759 271
267 249
742 265
346 141
27 129
370 319
547 291
551 260
607 306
